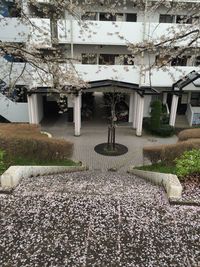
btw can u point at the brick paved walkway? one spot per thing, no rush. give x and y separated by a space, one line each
95 133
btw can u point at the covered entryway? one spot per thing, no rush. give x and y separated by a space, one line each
186 99
131 107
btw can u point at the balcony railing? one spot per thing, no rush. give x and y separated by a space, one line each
13 30
119 33
126 73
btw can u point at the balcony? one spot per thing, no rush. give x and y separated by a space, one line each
40 33
99 32
13 30
159 77
117 33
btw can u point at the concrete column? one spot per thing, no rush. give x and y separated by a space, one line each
135 111
77 115
189 97
173 111
131 105
140 113
164 98
35 108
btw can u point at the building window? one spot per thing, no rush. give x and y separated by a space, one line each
89 59
197 61
166 18
131 17
107 59
107 17
128 60
195 99
183 19
10 9
179 61
11 58
89 16
162 60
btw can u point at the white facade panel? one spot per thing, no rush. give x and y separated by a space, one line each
100 32
40 33
13 111
13 30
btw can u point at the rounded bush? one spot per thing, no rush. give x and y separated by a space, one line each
164 130
188 163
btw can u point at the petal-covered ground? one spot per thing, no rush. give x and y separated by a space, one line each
96 219
191 187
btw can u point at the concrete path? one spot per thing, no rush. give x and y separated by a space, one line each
97 219
93 133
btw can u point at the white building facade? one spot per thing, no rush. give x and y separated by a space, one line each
97 45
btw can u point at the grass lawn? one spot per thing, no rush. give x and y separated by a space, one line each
33 162
158 167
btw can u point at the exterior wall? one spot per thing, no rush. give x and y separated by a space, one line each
12 111
12 30
95 37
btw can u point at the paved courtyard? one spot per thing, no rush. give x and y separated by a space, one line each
93 133
96 219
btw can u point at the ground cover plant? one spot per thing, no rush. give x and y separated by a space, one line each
24 144
188 163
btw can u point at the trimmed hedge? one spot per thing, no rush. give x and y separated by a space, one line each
168 153
164 130
26 141
189 134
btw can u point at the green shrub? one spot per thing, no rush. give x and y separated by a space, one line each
164 130
147 124
156 111
2 163
188 163
168 153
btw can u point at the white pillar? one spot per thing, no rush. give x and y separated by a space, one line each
131 104
77 115
35 108
135 111
140 113
164 98
189 97
32 109
173 111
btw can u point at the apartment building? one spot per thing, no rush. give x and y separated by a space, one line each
103 48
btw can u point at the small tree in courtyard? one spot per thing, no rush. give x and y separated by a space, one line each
156 111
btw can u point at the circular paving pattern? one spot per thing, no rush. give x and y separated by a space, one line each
106 150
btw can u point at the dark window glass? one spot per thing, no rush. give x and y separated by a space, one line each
89 59
128 60
106 59
179 61
89 16
107 17
166 18
131 17
197 61
10 9
183 19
